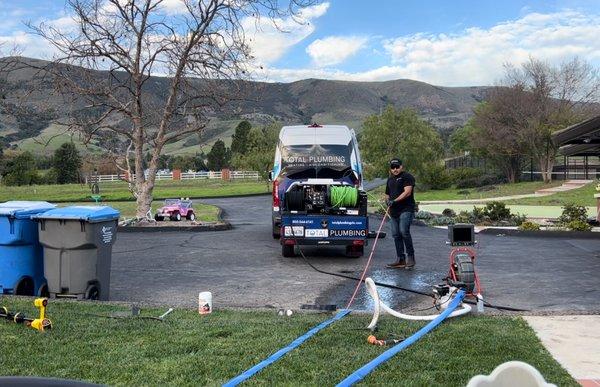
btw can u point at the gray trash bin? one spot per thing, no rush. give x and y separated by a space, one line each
77 243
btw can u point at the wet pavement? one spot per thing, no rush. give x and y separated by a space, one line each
243 267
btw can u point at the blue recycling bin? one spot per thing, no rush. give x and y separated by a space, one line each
21 255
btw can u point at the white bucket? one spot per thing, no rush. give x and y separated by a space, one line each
205 303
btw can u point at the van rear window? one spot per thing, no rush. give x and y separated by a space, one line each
316 161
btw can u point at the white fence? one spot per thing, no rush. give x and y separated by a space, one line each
234 175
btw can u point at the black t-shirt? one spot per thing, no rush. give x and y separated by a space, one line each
395 187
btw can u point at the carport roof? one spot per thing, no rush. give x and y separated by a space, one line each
582 139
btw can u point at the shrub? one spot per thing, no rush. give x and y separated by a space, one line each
435 177
460 174
449 212
423 215
519 219
51 176
572 212
480 181
578 225
529 226
496 211
464 217
440 221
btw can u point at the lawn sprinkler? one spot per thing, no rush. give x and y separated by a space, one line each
40 324
462 272
382 342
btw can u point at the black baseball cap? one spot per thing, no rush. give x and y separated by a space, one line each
395 161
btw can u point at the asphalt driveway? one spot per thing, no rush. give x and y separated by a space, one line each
243 267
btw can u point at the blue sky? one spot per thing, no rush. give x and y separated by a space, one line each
449 43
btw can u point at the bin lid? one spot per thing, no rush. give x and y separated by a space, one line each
24 209
91 214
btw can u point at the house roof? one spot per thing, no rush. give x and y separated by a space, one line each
581 139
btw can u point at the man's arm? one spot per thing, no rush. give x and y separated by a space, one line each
406 193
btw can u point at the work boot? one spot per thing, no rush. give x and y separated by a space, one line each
399 264
410 262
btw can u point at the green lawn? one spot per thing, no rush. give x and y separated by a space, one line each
189 349
453 193
204 212
117 191
582 197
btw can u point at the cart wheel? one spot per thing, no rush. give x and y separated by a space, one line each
354 251
176 217
44 292
92 292
288 251
159 218
25 287
465 271
191 217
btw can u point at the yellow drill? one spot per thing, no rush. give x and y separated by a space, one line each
40 324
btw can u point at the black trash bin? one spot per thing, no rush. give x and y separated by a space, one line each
77 243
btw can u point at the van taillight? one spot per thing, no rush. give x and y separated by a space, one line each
275 193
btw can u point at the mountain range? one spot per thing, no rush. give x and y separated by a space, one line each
29 106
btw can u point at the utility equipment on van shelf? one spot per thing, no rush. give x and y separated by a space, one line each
317 189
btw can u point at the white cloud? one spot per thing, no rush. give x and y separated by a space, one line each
314 12
173 7
270 39
334 49
476 56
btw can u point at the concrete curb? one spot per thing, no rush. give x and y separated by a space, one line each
542 233
209 227
220 225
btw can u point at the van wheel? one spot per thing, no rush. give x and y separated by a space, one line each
354 251
24 287
288 251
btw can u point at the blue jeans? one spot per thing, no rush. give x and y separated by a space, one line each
401 233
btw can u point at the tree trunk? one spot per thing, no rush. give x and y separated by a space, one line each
144 200
546 166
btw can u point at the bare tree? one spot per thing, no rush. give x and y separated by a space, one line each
202 47
495 128
557 96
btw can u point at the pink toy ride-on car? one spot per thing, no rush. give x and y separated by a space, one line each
175 209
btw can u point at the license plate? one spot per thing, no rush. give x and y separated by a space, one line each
293 231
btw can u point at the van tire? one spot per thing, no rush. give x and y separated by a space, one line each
355 251
288 251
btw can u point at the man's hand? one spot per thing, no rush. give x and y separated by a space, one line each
390 202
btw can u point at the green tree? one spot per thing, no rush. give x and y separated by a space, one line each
182 163
261 150
21 170
219 156
239 140
399 133
460 139
67 163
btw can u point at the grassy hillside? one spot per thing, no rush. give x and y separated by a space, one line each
30 94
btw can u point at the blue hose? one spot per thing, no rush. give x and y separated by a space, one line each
274 357
360 373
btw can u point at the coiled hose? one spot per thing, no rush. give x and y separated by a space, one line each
343 196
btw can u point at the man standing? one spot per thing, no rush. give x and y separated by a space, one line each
401 202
